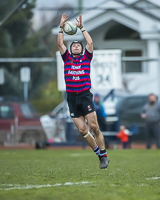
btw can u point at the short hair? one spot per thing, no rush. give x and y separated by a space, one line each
76 41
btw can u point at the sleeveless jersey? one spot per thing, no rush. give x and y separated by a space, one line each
77 71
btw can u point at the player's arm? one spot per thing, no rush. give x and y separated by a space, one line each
86 35
61 46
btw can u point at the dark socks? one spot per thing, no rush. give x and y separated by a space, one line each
100 153
103 152
97 150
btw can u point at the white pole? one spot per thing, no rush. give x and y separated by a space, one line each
153 66
16 129
25 91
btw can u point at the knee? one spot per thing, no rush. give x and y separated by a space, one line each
83 131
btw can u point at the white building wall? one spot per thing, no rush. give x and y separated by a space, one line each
98 22
145 82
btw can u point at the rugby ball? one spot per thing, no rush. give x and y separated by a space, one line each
70 28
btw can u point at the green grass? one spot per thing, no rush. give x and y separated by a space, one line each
125 178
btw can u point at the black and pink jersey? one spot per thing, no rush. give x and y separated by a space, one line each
77 71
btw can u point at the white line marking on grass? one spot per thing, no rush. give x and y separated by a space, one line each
127 185
68 183
57 184
25 187
153 178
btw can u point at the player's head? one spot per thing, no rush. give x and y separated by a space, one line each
76 48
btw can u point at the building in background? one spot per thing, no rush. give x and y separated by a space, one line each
134 28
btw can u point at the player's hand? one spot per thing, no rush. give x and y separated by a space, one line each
63 19
79 21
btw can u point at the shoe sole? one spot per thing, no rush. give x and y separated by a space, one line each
105 166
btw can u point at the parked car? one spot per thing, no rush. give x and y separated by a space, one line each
51 121
125 109
121 108
19 122
58 124
129 110
111 104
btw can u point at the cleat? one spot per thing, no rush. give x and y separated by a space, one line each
104 161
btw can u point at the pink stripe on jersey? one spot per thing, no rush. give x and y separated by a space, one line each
75 86
77 71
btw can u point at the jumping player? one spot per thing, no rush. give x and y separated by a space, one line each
78 84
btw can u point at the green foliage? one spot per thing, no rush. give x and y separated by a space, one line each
47 97
17 40
15 25
6 46
128 177
29 48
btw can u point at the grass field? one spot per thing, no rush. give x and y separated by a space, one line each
75 175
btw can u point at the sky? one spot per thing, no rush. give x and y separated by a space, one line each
57 3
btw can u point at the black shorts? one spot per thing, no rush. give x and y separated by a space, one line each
80 104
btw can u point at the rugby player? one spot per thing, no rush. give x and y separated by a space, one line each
78 84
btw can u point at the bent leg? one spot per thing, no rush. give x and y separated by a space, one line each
82 127
93 124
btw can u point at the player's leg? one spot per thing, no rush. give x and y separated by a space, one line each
99 138
93 124
83 129
79 120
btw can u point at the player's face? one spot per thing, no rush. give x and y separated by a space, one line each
76 48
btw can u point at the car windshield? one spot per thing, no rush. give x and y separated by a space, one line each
116 99
6 112
134 103
28 110
61 110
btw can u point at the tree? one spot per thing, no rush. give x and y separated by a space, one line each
47 97
15 26
18 40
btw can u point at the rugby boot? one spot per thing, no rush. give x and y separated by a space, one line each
104 161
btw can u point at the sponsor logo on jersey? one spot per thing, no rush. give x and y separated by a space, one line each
89 108
76 67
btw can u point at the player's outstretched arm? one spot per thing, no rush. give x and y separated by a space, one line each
86 35
61 46
89 40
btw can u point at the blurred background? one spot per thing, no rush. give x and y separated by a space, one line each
125 67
